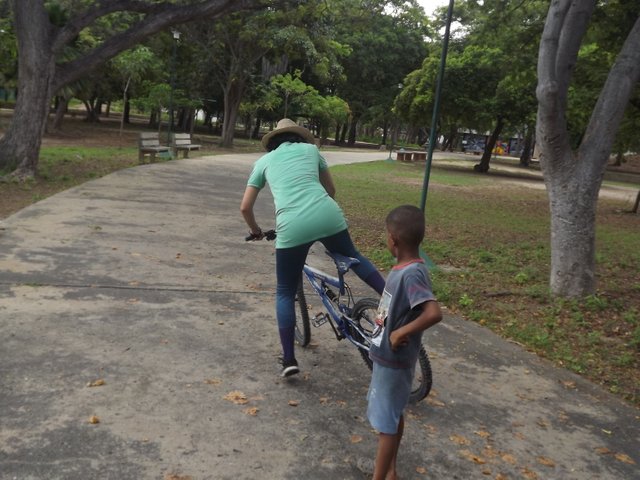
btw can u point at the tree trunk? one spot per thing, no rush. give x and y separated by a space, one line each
126 113
573 179
232 98
352 130
61 109
40 42
20 146
525 156
483 166
256 128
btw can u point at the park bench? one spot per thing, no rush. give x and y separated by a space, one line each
149 144
182 141
411 155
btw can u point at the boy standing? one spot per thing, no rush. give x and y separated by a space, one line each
406 309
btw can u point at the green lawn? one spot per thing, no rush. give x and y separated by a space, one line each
490 243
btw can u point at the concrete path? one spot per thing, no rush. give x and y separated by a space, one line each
142 280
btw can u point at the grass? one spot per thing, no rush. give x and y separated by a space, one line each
489 240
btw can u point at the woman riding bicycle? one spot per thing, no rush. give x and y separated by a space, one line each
306 212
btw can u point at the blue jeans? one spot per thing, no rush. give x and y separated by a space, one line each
289 264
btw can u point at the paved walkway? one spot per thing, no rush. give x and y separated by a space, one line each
141 279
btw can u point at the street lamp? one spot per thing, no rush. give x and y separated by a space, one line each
176 37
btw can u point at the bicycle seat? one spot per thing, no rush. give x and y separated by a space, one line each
343 263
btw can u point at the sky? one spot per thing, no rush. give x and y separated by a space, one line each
430 5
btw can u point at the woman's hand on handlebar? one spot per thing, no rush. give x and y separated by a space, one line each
269 235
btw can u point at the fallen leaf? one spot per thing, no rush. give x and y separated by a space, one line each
324 400
236 397
603 451
501 477
93 419
213 381
421 470
542 423
431 428
173 476
624 458
459 439
435 403
473 457
608 432
569 384
252 411
530 474
294 403
508 458
546 461
486 471
482 434
356 438
96 383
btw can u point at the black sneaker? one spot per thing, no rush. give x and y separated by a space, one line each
289 368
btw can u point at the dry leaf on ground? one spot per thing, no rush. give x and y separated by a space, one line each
96 383
473 457
213 381
510 459
435 403
459 439
173 476
546 461
529 474
421 470
93 419
356 438
252 411
294 403
624 458
236 397
482 434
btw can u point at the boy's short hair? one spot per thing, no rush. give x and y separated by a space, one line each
407 223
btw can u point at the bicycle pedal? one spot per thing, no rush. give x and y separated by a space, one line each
320 319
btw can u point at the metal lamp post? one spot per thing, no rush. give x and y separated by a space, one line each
176 37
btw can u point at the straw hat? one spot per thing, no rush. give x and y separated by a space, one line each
287 125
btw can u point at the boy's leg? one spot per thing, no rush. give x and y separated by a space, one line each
387 451
392 472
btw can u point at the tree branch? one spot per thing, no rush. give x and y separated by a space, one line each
161 17
614 97
571 35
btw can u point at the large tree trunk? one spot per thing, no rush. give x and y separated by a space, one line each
233 92
483 166
573 179
352 130
525 156
20 146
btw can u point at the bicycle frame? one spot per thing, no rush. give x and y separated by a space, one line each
338 312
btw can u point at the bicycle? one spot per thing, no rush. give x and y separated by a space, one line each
349 319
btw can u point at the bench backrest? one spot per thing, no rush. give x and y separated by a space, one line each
178 139
149 139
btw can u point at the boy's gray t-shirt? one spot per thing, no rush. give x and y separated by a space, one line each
408 286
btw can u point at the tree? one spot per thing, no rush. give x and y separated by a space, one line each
573 175
41 43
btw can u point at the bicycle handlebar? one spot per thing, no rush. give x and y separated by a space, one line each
269 235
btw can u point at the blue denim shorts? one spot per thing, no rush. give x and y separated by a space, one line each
388 397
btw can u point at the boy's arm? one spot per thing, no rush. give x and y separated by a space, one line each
430 315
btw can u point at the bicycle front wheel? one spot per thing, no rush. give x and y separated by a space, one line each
364 314
303 330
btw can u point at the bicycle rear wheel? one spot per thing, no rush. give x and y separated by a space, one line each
364 314
303 330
